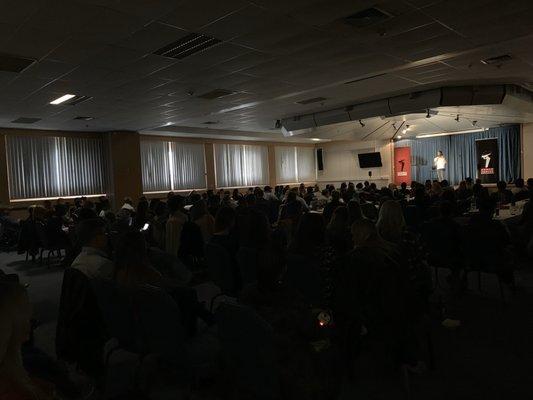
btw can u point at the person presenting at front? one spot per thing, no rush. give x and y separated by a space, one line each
440 163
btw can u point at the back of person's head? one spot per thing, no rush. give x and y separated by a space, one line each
259 193
354 211
291 196
391 221
339 218
530 183
444 183
363 232
60 210
15 316
198 209
268 189
310 189
519 183
250 199
309 234
403 185
255 230
131 251
128 200
225 219
436 188
359 186
91 232
486 207
86 213
448 195
194 197
501 185
175 203
446 209
335 195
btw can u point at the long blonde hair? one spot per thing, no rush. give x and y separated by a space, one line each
15 313
391 222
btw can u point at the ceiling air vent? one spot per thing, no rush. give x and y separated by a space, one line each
309 101
497 60
187 46
11 63
25 120
215 94
367 17
84 118
210 122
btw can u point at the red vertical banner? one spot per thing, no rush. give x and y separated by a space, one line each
402 165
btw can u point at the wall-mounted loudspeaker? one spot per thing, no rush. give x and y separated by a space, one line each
319 160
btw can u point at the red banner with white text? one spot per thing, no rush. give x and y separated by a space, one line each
402 165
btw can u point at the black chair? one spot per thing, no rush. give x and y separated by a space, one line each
486 255
248 353
443 245
48 242
81 332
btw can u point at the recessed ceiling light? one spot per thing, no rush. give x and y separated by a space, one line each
81 118
315 139
62 99
399 136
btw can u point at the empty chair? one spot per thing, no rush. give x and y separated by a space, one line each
248 353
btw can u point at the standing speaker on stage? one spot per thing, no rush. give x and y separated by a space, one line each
439 163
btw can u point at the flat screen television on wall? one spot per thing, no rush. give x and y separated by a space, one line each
370 160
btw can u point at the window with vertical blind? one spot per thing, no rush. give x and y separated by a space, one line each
239 165
172 166
295 164
46 166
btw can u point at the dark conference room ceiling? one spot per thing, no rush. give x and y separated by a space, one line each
261 60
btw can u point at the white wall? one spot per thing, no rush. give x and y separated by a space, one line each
527 150
342 165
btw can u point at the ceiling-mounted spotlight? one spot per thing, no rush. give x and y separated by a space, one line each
278 124
362 124
394 125
399 136
404 131
457 118
428 114
474 123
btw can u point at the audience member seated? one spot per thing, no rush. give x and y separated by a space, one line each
503 195
520 191
15 315
330 207
93 260
370 298
201 217
338 233
310 261
486 243
132 266
174 224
